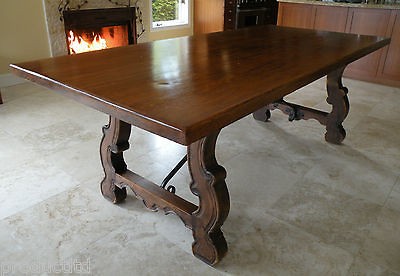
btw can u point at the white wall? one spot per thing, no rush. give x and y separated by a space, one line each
23 34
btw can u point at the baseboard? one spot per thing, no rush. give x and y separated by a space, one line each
10 80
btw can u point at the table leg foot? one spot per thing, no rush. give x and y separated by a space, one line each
115 141
208 183
337 97
263 114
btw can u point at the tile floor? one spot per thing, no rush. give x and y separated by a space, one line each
299 206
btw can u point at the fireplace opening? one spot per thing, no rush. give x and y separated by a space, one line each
97 29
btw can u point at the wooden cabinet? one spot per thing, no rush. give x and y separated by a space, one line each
219 15
329 18
296 15
382 66
312 17
208 16
367 22
214 15
391 65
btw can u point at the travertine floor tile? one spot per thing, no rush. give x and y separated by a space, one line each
382 246
137 249
393 201
59 136
354 173
333 216
263 178
57 227
376 136
362 267
263 245
29 183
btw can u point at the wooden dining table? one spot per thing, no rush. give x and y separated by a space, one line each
187 89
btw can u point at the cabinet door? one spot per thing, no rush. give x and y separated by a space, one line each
391 69
208 16
367 22
331 18
296 15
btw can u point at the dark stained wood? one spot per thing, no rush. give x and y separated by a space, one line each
156 198
294 111
208 183
185 88
1 99
337 97
230 14
113 144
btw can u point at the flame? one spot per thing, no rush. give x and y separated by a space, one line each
79 45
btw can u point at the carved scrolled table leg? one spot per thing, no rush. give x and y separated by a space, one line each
337 97
114 142
208 183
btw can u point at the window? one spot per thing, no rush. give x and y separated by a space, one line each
168 13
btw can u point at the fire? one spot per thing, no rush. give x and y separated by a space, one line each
77 44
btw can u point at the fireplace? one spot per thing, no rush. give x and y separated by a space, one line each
96 29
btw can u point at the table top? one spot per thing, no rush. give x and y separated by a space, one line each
186 88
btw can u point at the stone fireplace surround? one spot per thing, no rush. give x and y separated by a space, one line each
55 27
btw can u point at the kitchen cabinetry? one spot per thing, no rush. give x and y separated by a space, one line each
218 15
367 22
208 16
391 65
312 17
214 15
296 15
329 18
381 66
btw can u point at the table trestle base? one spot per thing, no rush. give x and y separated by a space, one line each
337 97
155 197
208 184
298 112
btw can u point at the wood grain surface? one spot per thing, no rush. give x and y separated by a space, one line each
186 88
